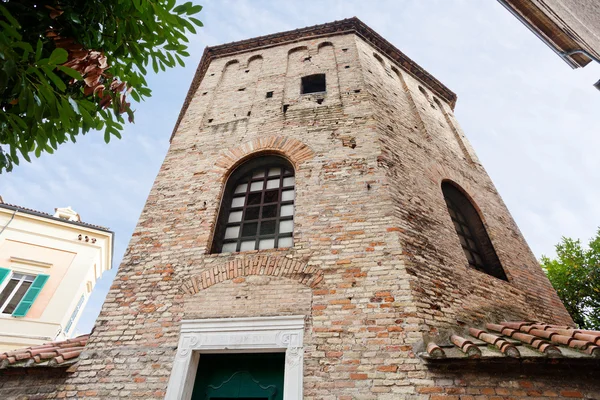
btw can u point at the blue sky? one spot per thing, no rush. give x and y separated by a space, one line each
532 120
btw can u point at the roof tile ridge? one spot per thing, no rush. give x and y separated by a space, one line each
435 351
546 332
505 347
541 345
466 346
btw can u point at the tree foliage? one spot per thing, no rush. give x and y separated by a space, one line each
575 274
69 66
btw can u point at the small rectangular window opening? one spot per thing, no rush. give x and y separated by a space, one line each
313 84
269 95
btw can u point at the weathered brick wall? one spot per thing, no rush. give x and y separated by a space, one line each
32 383
513 381
420 149
375 263
342 227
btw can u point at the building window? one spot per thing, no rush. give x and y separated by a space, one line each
14 291
74 314
258 207
19 291
313 84
471 232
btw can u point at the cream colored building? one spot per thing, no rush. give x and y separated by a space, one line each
49 265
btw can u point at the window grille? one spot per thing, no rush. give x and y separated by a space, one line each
475 242
258 207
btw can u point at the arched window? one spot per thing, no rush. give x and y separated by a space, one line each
257 211
471 232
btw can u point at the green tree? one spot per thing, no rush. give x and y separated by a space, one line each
575 274
69 66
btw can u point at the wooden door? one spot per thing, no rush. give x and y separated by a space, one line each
240 377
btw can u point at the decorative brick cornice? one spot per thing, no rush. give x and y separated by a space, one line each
294 150
345 26
259 265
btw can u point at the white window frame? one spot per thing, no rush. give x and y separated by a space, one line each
238 335
74 314
12 294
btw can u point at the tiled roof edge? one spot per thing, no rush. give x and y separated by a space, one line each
349 25
50 216
517 340
59 354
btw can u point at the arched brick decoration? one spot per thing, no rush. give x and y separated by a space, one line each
438 173
296 151
259 265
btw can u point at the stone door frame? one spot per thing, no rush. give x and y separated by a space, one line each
238 335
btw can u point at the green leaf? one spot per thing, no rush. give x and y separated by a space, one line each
179 60
180 9
135 96
74 17
58 56
10 67
55 79
3 81
136 38
38 50
188 26
194 9
196 21
71 72
9 17
25 46
10 30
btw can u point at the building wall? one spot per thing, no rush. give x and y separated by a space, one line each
382 264
419 151
512 381
566 25
580 18
38 245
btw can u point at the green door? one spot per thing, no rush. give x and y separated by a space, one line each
240 377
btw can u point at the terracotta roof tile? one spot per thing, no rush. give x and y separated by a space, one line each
466 346
518 339
435 351
54 354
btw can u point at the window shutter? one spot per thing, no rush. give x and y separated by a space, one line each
32 293
4 272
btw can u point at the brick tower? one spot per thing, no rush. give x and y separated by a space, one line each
322 229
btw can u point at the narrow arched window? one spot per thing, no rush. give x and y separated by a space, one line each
258 207
475 242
